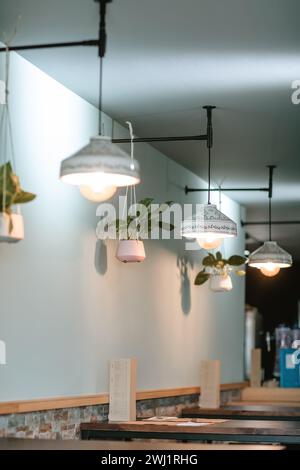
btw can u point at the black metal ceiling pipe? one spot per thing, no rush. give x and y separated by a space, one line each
200 190
161 139
29 47
274 222
100 42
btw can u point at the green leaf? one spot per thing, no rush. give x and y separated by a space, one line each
219 256
11 189
209 260
22 197
165 226
147 201
201 278
236 260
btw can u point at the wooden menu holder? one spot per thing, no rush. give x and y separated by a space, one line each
122 390
210 381
255 374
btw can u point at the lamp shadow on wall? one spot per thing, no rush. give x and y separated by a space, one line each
184 262
101 257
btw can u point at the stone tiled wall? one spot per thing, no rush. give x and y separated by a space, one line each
65 423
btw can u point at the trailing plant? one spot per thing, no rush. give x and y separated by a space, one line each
217 265
11 192
144 222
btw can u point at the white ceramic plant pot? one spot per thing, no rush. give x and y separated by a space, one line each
131 251
220 283
17 232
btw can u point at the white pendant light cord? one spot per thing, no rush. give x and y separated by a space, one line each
132 155
6 128
132 188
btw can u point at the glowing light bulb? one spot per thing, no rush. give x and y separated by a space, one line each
270 270
97 193
210 242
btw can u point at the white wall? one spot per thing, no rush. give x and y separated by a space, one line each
65 310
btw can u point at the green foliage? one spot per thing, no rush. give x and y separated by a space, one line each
145 223
218 260
201 278
236 260
10 185
216 264
10 191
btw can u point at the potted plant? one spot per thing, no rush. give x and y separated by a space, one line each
217 270
132 230
11 193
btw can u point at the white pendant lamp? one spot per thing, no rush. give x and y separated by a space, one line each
209 225
101 166
270 257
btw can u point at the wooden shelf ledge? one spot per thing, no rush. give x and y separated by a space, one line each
28 406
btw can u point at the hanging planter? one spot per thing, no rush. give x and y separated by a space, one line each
132 230
11 193
220 283
136 223
131 251
11 227
216 270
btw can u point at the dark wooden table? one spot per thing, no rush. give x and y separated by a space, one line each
44 444
242 431
255 411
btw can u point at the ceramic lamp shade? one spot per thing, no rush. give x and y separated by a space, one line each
209 223
100 163
270 254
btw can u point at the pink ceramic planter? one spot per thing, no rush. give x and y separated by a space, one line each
131 251
17 232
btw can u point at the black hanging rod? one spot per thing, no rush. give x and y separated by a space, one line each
160 139
194 190
100 42
276 222
206 137
89 42
268 189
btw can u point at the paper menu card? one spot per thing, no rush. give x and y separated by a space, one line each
122 390
210 378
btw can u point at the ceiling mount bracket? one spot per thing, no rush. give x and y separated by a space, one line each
102 26
209 109
100 42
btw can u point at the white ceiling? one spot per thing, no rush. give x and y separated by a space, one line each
167 58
